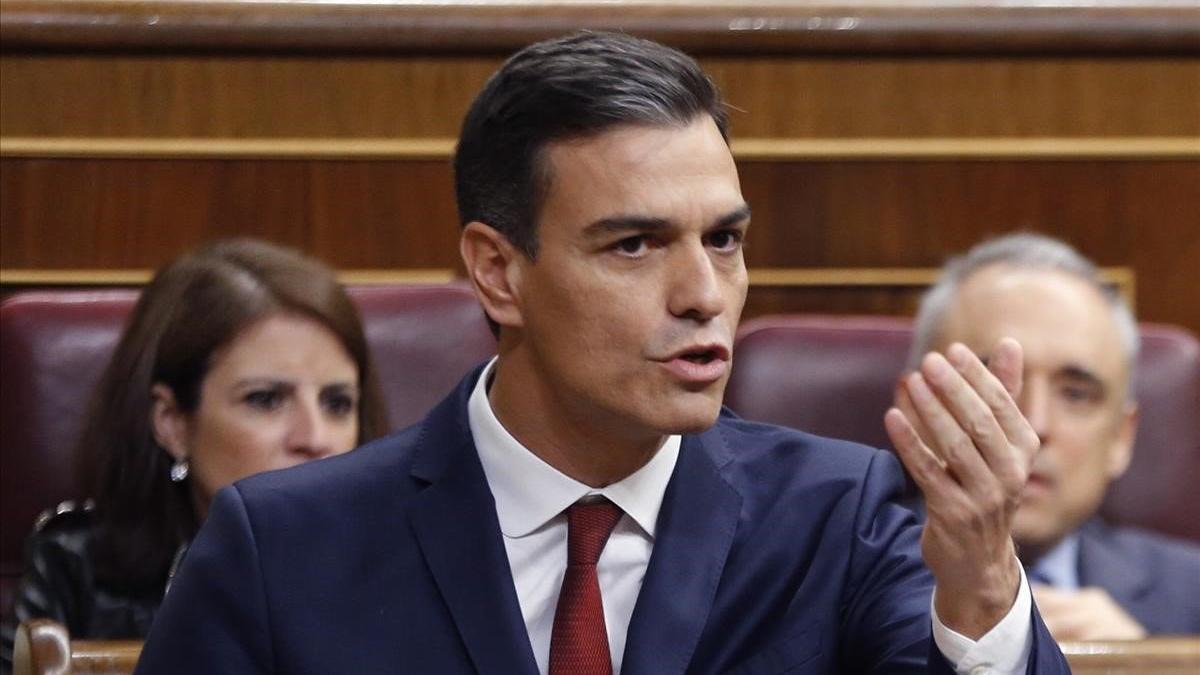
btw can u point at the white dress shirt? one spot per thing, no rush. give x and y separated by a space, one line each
531 497
1060 566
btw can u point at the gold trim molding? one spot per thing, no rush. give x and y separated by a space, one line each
1123 278
773 149
137 277
745 149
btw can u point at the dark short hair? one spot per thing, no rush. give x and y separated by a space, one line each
570 87
192 308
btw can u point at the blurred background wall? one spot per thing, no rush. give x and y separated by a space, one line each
874 138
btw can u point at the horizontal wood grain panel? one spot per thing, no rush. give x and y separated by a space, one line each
129 213
384 214
421 97
747 149
137 277
765 26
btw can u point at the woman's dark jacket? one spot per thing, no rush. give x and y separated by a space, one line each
60 583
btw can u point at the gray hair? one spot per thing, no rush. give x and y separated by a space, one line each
1026 251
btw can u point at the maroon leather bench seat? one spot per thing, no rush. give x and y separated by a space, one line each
834 376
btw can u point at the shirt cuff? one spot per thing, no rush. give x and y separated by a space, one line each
1003 650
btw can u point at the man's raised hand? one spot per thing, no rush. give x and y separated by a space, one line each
965 443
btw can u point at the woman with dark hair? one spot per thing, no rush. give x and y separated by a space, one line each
238 358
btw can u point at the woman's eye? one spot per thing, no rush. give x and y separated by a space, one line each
264 399
339 404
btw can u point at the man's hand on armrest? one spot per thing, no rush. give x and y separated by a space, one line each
1085 614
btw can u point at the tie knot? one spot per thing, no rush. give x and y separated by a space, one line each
588 527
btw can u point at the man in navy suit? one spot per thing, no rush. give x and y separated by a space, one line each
582 504
1097 582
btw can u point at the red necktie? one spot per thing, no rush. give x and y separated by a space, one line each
579 641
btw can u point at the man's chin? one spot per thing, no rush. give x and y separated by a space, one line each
1036 533
692 416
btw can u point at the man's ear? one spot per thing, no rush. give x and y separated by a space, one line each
169 422
494 268
1122 450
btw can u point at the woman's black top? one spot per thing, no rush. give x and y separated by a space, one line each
60 583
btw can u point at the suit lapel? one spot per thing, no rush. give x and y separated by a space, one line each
695 531
1102 564
455 522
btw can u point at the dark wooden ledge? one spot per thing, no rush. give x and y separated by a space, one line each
498 26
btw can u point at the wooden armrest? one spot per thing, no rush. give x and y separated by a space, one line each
41 646
44 647
104 656
1153 656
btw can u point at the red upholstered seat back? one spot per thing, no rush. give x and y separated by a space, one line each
1161 489
54 345
823 374
834 376
829 375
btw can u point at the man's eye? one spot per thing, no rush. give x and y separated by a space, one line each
631 245
264 399
1079 395
725 240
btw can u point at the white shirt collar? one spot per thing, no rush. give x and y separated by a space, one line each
529 492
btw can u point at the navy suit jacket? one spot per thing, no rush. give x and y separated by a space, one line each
775 551
1154 578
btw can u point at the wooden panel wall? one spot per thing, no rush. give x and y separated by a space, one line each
871 135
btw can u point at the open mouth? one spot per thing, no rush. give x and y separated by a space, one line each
700 365
700 356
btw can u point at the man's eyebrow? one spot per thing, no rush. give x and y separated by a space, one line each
619 224
738 215
1077 372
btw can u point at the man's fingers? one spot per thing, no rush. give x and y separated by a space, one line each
1046 597
1012 424
1087 614
904 402
955 436
1007 364
926 469
1058 611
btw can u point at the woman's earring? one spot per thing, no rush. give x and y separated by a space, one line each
179 470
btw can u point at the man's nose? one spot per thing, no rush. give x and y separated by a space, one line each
1034 403
696 285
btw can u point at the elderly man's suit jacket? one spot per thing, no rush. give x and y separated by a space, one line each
1154 578
776 551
